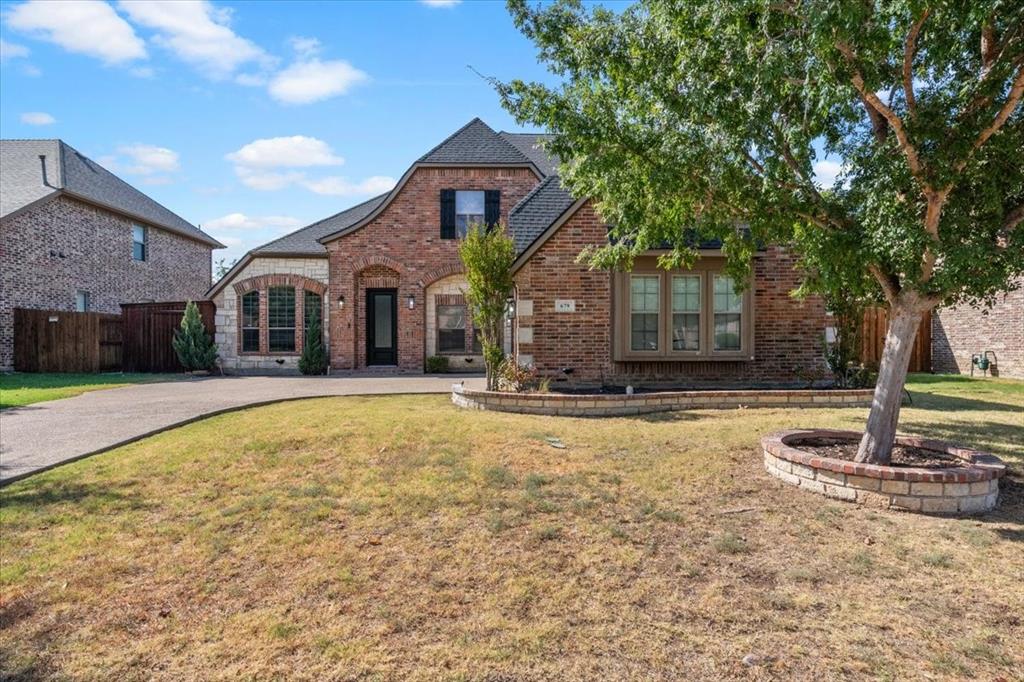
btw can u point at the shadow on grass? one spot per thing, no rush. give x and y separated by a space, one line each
1004 440
935 401
37 497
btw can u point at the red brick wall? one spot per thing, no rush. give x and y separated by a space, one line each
97 257
406 239
788 334
958 333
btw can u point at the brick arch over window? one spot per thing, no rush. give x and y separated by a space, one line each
262 284
440 273
267 281
368 261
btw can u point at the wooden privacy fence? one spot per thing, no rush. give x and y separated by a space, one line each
148 331
873 328
62 341
138 340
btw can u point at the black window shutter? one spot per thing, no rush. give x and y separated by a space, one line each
447 214
492 207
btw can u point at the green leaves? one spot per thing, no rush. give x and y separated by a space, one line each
686 119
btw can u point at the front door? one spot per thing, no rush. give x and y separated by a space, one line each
381 327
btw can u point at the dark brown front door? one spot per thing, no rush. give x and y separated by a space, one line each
381 327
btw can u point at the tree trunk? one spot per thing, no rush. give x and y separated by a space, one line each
879 435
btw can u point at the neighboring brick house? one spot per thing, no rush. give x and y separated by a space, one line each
73 236
394 285
962 332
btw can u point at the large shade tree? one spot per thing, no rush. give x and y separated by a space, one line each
688 118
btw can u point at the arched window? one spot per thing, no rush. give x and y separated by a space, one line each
251 322
281 319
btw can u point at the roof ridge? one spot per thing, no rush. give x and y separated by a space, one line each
453 135
314 224
533 192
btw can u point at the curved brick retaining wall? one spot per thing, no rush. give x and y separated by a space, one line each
582 405
968 489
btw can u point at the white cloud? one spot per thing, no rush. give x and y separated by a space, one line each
440 3
144 159
89 27
342 187
9 51
37 118
198 33
313 80
826 172
306 47
297 151
241 221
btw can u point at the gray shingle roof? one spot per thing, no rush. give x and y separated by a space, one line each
304 240
72 172
474 143
530 145
537 211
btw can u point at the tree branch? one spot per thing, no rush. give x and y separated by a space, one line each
1012 100
909 48
894 121
890 288
1013 218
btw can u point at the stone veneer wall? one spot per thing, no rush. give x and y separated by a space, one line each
958 333
403 246
788 333
226 318
605 405
452 285
53 250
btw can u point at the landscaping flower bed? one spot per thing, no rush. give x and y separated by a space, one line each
645 402
941 477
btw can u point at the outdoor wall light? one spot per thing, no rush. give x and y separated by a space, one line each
341 301
412 301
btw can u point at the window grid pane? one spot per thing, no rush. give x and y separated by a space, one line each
728 306
312 306
281 318
469 209
726 298
686 312
451 328
644 307
138 242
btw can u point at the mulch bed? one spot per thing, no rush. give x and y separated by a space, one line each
902 455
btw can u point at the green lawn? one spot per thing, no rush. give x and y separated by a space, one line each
402 538
21 389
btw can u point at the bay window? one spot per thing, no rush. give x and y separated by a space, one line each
681 314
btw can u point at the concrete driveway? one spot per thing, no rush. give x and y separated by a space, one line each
41 436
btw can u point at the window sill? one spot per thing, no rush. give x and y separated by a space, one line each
717 357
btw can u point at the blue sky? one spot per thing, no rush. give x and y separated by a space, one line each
254 118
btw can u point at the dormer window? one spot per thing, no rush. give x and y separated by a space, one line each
461 208
469 210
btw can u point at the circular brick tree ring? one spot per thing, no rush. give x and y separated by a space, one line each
970 488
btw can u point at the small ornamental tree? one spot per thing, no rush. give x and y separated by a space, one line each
688 118
314 358
487 255
192 344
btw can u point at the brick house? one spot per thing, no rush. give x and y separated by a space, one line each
962 332
387 278
73 236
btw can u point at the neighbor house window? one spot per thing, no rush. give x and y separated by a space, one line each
728 310
451 329
281 319
138 242
686 312
251 322
82 301
644 305
469 210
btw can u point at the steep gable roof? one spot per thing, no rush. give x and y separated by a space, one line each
475 143
531 146
68 171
